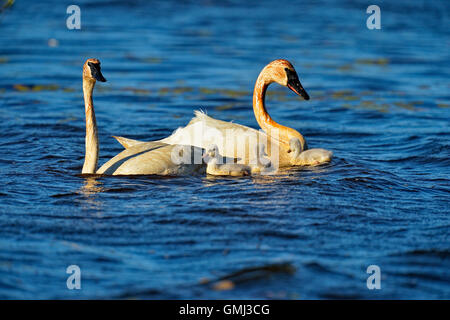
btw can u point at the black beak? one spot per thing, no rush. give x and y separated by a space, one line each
295 85
96 72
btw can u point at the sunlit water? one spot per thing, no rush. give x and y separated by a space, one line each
379 101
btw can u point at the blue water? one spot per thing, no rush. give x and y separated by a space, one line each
379 100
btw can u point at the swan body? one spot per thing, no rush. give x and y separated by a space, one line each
314 157
154 158
237 141
310 157
234 140
141 158
212 158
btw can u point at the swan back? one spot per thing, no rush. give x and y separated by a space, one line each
234 140
155 158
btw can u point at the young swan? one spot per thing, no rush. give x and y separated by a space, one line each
263 163
212 156
310 157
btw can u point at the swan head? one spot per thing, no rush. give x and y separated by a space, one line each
211 153
282 72
261 150
92 70
261 155
310 157
295 147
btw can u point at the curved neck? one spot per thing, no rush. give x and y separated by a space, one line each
272 128
91 156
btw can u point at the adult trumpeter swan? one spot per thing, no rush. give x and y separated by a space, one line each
309 157
216 167
235 140
150 158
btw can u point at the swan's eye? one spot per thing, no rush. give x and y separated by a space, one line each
291 75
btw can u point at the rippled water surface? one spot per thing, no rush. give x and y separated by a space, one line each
379 100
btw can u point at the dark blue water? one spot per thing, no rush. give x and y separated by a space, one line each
379 100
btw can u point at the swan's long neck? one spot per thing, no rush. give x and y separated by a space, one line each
266 123
91 156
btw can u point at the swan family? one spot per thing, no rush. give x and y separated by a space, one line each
203 144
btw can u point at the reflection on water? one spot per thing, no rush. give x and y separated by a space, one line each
379 101
91 187
89 190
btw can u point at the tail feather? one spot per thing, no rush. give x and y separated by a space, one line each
127 143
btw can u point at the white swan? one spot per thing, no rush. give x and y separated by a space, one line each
263 163
216 166
310 157
149 158
237 141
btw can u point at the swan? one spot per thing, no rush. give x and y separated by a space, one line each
216 167
263 164
310 157
235 140
149 158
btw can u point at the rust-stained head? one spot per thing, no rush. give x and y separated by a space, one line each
282 72
92 70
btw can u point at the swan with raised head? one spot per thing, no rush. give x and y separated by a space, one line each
310 157
152 158
235 140
216 167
